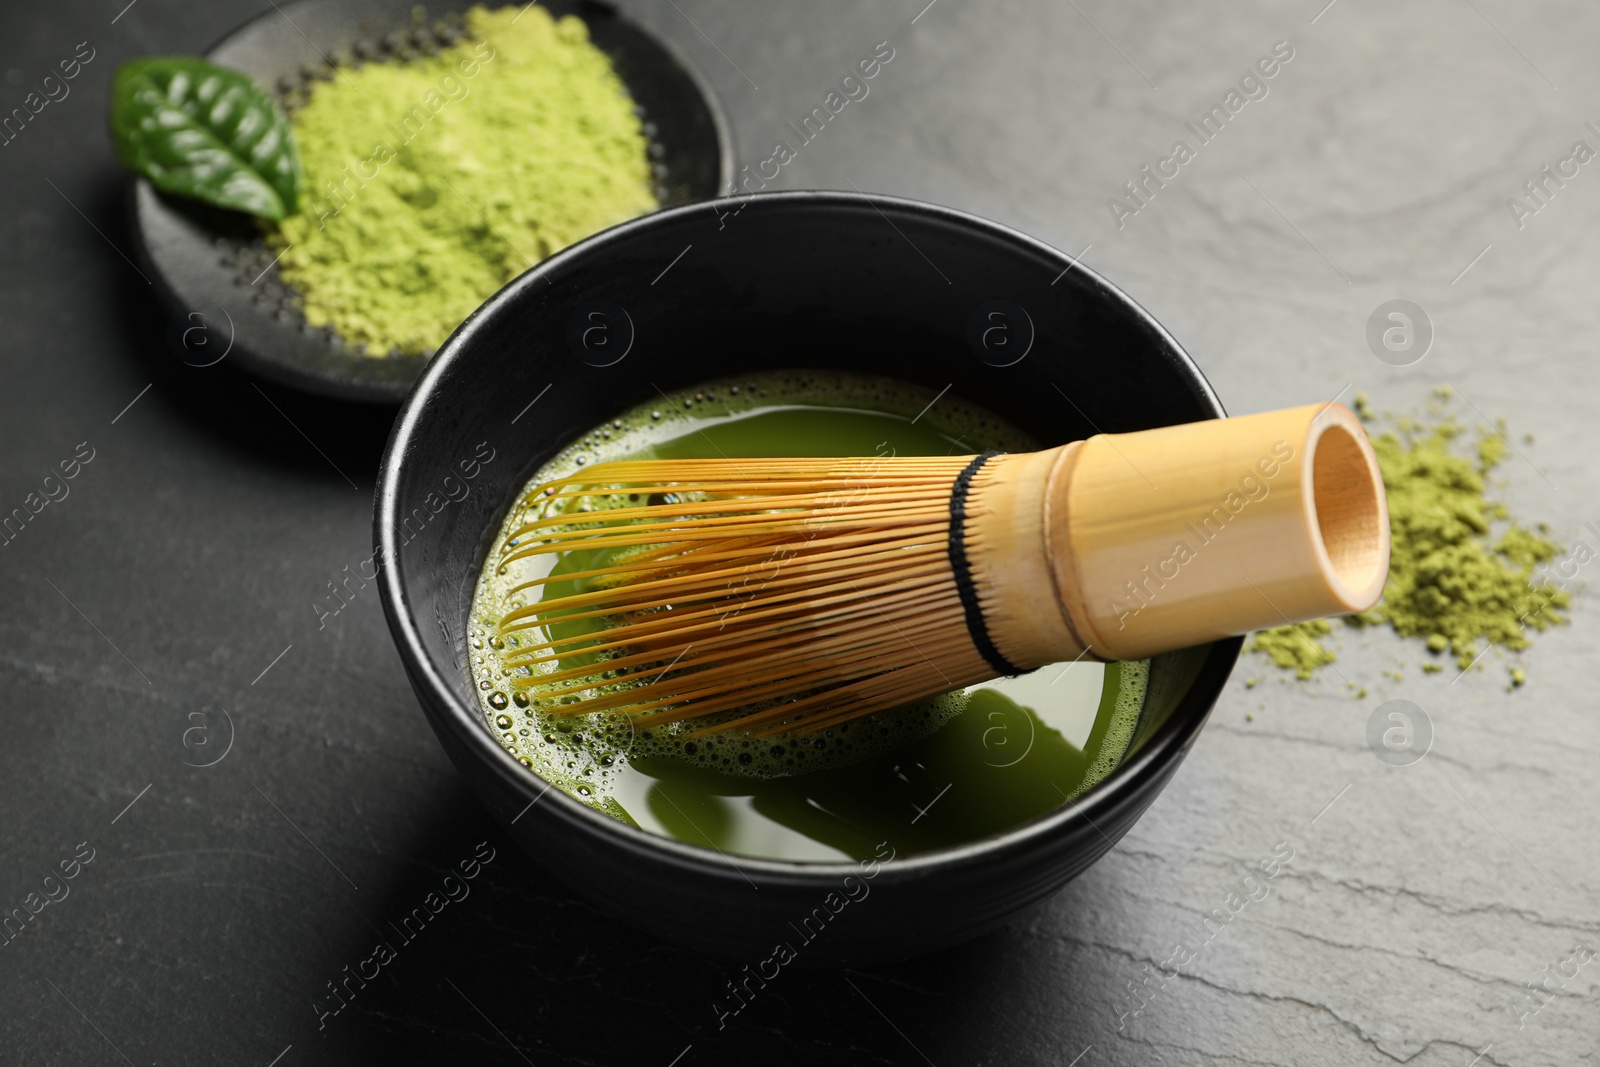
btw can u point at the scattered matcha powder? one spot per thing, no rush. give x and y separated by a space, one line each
1451 582
431 183
1296 648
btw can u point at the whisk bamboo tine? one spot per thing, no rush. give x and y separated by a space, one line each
795 616
787 595
686 589
811 561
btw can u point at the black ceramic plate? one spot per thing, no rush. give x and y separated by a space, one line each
213 267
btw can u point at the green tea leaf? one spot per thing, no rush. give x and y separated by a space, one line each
203 131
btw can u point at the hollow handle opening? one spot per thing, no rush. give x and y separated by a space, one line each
1172 537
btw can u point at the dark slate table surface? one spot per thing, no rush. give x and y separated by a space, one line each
176 581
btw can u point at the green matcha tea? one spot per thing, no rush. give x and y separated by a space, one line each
929 775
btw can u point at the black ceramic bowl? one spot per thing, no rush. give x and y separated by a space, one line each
214 270
780 281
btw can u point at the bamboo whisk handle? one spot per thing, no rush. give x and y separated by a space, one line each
1126 545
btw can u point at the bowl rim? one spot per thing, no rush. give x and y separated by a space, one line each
1125 781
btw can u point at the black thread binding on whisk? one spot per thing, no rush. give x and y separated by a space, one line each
965 588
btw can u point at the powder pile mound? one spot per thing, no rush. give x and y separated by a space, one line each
1297 647
432 182
1463 575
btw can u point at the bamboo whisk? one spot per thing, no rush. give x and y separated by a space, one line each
773 596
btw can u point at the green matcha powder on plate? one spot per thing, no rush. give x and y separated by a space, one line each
431 183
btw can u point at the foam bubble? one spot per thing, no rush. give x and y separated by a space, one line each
1133 677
